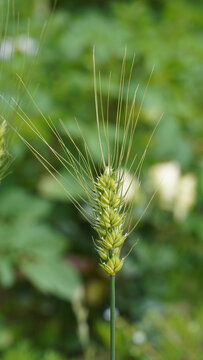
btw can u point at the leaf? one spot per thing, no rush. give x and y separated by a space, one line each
7 276
53 277
15 202
38 240
50 188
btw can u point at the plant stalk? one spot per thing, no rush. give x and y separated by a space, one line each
112 317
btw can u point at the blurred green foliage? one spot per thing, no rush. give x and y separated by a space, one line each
46 250
32 247
25 352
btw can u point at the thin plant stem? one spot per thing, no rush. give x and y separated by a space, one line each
112 317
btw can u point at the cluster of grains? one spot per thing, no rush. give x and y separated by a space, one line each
2 142
110 219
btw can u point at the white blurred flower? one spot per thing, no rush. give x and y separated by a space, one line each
139 337
107 314
186 194
131 186
6 48
22 43
176 193
165 178
26 44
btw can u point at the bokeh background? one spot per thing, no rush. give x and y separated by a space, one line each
54 298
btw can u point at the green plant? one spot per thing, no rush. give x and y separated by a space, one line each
165 33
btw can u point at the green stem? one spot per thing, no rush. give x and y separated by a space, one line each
112 318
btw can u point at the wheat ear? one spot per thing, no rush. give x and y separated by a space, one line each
103 186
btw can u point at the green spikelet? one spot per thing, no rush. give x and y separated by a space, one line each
110 219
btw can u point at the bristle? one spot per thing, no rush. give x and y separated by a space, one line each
2 142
